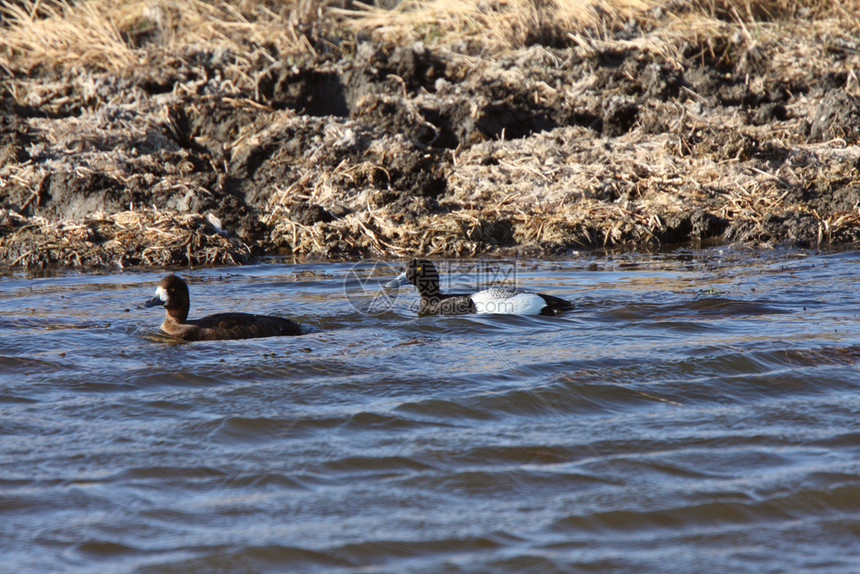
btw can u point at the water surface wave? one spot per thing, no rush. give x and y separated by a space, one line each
697 409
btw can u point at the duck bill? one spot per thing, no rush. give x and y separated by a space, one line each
159 300
155 301
397 282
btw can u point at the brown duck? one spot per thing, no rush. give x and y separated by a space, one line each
172 294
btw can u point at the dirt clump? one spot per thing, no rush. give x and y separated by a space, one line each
837 115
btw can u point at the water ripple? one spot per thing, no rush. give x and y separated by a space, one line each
720 385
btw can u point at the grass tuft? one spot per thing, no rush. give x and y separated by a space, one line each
500 24
115 36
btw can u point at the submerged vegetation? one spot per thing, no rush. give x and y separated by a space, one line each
188 132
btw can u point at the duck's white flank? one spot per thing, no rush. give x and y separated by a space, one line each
508 302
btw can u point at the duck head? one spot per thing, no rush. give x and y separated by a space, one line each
422 274
172 294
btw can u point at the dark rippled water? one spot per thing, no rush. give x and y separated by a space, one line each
698 412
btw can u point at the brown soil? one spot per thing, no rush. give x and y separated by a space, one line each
656 134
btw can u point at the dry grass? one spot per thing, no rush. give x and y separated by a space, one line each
510 24
115 36
136 237
548 191
770 10
495 24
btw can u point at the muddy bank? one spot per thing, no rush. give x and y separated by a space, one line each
653 135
